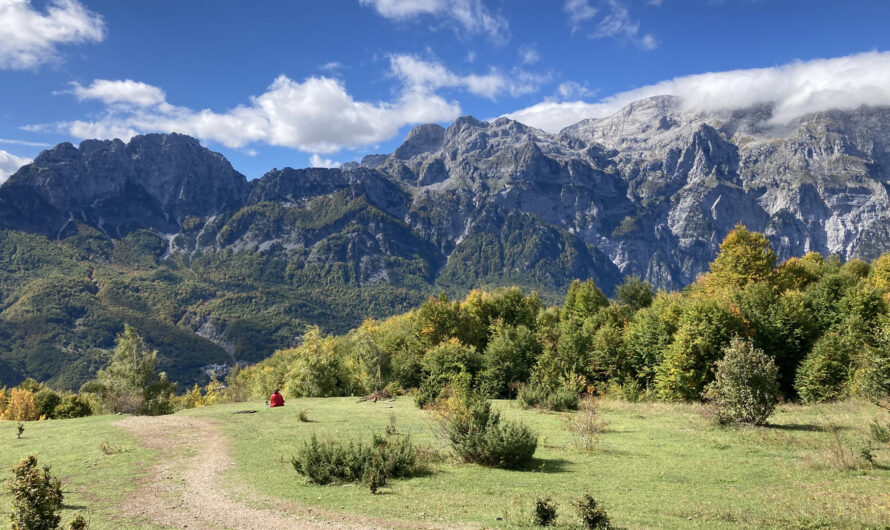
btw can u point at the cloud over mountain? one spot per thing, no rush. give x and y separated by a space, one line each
9 163
793 89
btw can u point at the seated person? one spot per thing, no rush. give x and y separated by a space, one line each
276 399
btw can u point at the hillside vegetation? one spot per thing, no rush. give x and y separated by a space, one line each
824 325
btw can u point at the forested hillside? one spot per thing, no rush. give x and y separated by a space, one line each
825 325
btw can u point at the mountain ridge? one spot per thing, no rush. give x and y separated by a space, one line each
171 234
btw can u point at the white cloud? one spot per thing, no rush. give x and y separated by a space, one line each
648 42
579 11
120 92
317 161
28 38
24 142
529 54
794 89
9 164
429 76
615 22
317 115
470 15
572 89
332 66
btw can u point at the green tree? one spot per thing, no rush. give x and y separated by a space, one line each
449 363
508 358
824 373
129 383
706 327
648 335
635 293
880 273
744 257
316 368
584 299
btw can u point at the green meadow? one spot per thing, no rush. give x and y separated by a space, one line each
654 465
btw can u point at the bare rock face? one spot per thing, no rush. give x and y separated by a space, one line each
154 181
651 190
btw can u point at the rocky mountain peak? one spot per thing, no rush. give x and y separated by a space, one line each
154 180
421 139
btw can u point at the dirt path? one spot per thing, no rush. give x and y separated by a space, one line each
185 489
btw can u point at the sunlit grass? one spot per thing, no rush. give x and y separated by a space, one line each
98 465
654 465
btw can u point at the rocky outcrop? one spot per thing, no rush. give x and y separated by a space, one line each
154 181
651 190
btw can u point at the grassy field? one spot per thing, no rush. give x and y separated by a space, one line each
656 465
93 479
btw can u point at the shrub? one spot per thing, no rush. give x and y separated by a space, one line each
746 387
303 416
333 461
78 522
21 406
585 425
73 406
36 496
545 512
478 436
592 515
879 433
563 397
47 401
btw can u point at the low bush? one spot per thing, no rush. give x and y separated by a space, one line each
545 512
746 384
36 496
563 397
333 461
478 435
592 515
585 425
73 406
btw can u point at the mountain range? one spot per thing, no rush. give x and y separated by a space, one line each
214 269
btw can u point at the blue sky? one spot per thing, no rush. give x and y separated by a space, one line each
299 82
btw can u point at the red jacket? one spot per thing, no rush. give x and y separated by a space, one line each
276 400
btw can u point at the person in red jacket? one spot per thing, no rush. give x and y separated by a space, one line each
276 399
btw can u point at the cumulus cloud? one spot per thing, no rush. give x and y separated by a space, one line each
127 92
28 38
470 16
317 115
317 161
9 164
793 89
615 21
429 76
